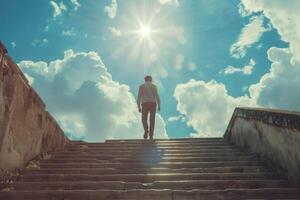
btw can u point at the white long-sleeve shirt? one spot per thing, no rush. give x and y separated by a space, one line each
148 93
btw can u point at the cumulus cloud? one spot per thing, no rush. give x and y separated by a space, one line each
284 16
81 94
247 70
169 2
111 9
277 88
58 8
116 32
280 87
207 107
249 35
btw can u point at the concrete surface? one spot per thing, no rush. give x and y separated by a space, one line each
26 128
272 134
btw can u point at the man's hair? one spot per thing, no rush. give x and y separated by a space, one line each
148 78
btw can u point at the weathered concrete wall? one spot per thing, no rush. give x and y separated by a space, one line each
2 107
273 134
26 128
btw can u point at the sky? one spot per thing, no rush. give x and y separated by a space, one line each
87 59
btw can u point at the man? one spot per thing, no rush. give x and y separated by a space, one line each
148 97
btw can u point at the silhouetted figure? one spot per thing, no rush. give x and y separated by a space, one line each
148 97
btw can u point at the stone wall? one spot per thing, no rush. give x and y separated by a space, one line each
273 134
26 128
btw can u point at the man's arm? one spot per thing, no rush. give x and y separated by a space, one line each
139 99
157 98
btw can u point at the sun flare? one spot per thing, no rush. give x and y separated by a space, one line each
145 31
146 36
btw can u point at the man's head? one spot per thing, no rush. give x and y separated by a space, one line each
148 78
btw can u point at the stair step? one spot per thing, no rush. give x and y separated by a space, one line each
144 177
134 152
265 193
165 148
172 165
269 193
166 155
144 170
151 160
166 140
174 185
180 144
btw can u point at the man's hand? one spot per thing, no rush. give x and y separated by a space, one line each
140 110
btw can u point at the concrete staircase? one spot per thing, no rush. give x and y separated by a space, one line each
177 169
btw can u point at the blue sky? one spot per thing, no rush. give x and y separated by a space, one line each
87 58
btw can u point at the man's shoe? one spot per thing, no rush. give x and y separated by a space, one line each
145 135
151 137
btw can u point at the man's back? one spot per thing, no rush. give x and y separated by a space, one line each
148 93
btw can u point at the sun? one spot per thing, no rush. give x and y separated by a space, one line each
145 31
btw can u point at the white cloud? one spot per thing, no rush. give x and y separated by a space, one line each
179 62
249 35
169 2
91 104
176 118
243 11
62 6
39 68
76 4
70 32
40 42
13 44
207 107
58 8
111 10
247 70
280 87
232 70
116 32
284 16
